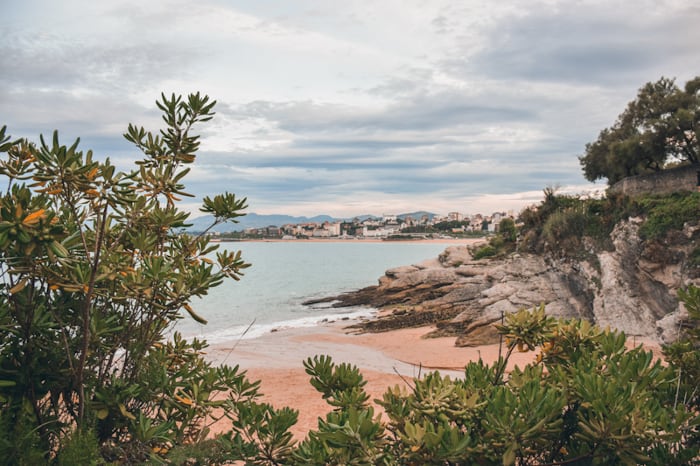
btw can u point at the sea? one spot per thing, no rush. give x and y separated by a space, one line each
285 274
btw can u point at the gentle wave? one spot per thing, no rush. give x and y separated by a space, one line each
285 275
255 330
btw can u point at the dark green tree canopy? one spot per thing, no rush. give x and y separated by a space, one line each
660 127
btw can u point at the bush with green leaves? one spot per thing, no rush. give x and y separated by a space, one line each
502 243
586 398
665 213
684 354
94 269
560 223
487 250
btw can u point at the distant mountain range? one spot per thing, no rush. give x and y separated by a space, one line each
253 220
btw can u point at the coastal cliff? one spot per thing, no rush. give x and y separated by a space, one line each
629 285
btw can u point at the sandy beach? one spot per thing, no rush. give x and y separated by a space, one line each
386 359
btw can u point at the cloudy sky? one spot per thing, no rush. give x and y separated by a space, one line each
349 107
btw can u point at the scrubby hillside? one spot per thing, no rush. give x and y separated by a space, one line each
616 261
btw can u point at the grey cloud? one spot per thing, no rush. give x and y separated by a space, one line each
346 158
429 175
53 63
581 44
364 144
123 58
91 117
423 112
396 86
441 24
82 89
406 155
431 112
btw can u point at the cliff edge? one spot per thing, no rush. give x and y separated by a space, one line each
630 285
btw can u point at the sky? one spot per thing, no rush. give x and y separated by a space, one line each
353 107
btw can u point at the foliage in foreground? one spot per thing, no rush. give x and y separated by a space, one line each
585 399
93 271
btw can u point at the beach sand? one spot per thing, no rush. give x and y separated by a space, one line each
385 359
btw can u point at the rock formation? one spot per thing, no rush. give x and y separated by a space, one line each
631 287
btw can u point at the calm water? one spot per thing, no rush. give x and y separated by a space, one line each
285 274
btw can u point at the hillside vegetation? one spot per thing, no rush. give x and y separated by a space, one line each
570 226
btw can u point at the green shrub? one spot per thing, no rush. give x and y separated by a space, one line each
501 243
561 222
94 269
81 447
564 224
585 399
485 251
20 441
666 213
507 230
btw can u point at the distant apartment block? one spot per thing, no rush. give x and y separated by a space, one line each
381 232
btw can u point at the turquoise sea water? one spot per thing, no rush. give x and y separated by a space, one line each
285 274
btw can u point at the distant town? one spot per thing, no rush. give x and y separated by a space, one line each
387 227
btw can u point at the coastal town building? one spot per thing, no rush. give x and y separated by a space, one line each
380 232
418 225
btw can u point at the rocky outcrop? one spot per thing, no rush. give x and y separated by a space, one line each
631 287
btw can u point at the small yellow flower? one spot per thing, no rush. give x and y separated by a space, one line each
184 400
160 450
33 218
